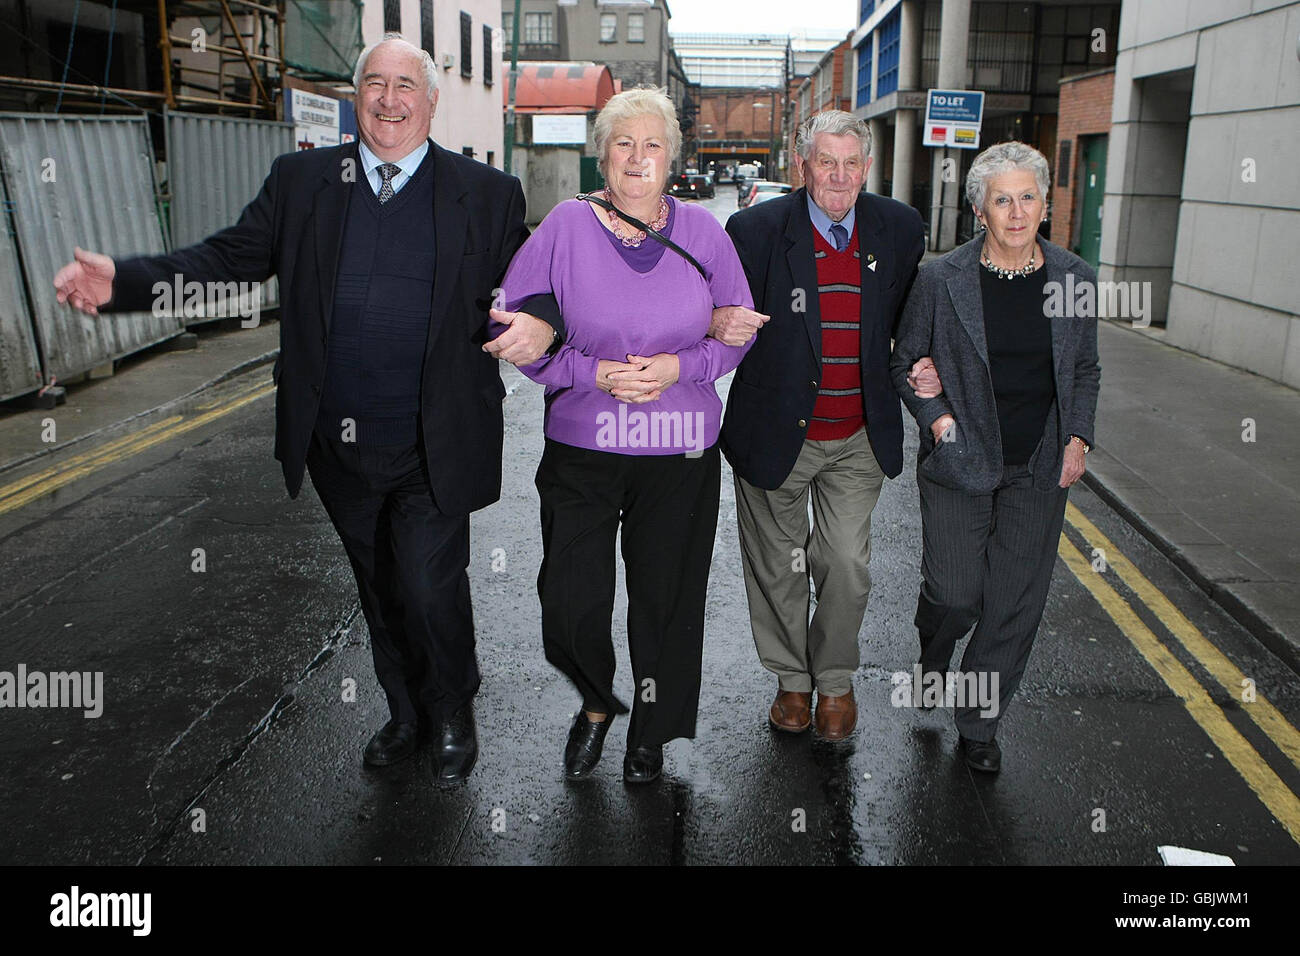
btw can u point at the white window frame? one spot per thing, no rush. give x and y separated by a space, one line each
544 27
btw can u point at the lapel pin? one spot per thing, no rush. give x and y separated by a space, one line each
871 264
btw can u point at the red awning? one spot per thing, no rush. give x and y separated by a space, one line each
561 87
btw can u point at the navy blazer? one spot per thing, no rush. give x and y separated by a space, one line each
772 396
944 319
294 228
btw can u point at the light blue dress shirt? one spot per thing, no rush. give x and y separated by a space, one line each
823 222
408 164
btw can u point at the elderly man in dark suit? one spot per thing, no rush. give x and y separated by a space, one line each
812 412
388 252
1001 373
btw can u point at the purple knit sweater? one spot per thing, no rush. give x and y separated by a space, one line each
611 311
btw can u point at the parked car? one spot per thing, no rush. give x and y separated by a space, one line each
764 188
745 174
692 186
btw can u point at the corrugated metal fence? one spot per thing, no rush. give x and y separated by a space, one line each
89 181
215 166
20 367
81 181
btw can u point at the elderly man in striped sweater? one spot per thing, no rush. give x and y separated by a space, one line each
812 413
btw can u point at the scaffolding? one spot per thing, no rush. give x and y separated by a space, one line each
213 56
247 39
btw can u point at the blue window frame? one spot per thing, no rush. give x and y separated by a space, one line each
864 72
887 67
864 10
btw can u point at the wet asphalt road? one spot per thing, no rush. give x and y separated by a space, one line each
227 735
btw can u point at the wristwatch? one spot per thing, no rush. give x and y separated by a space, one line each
556 341
1086 447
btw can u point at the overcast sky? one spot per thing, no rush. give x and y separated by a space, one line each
762 16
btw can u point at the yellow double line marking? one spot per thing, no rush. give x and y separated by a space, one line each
26 490
1281 801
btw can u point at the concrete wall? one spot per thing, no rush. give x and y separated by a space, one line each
1146 156
1235 216
577 37
463 102
550 174
636 64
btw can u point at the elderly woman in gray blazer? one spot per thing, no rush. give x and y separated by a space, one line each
1005 410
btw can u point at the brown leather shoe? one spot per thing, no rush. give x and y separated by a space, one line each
837 717
791 711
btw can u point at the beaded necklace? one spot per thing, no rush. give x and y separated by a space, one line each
1008 273
634 241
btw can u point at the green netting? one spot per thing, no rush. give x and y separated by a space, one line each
322 39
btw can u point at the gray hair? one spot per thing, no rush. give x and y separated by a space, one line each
639 101
426 61
836 123
1003 158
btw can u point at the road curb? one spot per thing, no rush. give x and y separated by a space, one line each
242 368
1259 628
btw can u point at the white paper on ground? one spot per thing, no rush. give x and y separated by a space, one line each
1181 856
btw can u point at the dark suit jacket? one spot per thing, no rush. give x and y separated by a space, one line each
294 228
944 319
772 396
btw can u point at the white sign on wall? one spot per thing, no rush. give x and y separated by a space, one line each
315 119
552 129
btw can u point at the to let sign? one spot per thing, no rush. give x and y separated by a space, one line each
953 117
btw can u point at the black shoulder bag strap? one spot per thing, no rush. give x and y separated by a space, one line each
638 224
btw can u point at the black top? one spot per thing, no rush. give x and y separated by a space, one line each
1019 335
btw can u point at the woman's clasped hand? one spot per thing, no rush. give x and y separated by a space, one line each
640 379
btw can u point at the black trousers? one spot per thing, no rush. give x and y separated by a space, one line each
987 561
668 508
410 563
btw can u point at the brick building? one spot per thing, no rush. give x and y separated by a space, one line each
738 125
1079 167
828 87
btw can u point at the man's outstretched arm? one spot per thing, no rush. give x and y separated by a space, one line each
95 283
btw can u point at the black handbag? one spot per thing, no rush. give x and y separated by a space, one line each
638 224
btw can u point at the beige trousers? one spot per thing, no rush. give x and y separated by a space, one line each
783 554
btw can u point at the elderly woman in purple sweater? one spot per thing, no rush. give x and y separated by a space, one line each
632 422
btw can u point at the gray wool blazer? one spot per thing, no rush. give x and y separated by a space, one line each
944 319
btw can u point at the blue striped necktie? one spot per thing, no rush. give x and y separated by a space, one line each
841 236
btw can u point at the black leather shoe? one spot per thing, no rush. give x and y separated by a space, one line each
643 764
982 755
392 743
457 747
586 740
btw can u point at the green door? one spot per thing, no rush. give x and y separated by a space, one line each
589 176
1094 188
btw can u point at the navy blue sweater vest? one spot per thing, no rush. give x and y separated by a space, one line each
380 324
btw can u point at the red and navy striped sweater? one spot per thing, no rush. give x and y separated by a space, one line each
838 412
